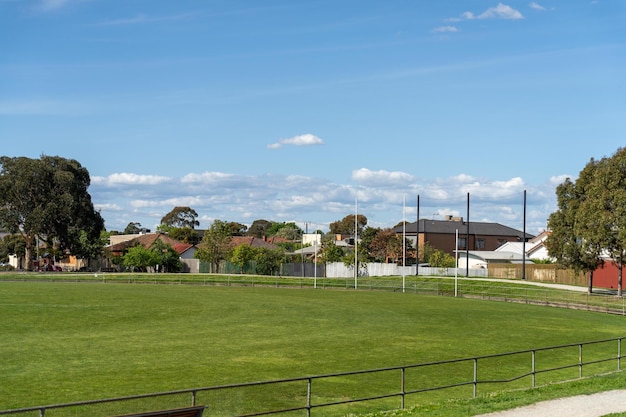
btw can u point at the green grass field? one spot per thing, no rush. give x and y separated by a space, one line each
64 342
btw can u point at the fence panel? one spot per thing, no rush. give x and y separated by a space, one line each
368 390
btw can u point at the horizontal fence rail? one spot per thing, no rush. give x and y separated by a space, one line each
306 395
601 300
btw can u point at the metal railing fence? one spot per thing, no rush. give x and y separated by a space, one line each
396 385
601 300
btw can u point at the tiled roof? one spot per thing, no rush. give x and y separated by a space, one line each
252 241
451 226
145 240
181 248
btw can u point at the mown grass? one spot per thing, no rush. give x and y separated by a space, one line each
499 401
74 341
502 290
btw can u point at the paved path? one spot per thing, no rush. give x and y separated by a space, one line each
592 405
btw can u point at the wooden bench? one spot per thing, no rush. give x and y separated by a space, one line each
178 412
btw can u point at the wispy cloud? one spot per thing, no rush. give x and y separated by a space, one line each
446 29
48 5
300 140
144 19
44 6
501 11
536 6
42 106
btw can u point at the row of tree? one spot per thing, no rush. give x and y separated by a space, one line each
45 202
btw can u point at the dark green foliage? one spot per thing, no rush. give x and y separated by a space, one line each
11 244
181 217
237 229
47 199
132 228
184 234
259 228
330 252
159 256
346 225
591 218
268 261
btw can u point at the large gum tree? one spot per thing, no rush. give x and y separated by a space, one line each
47 200
591 220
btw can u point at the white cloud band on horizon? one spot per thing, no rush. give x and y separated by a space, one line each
128 197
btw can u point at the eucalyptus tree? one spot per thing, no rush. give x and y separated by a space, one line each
347 225
259 228
591 219
47 199
181 217
570 226
606 210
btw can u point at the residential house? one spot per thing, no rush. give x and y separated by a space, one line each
186 251
535 248
257 242
480 259
440 234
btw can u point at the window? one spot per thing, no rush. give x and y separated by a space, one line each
462 243
480 243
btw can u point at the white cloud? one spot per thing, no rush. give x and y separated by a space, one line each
206 177
108 207
369 177
501 11
129 179
536 6
446 29
557 180
126 197
300 140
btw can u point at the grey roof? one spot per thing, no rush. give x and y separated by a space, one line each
451 226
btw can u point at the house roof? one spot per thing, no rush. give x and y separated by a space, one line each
451 226
145 240
182 247
254 242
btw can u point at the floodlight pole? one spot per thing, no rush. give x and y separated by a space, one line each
356 256
315 261
403 243
467 242
417 238
456 258
524 242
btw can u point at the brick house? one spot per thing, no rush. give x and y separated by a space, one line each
440 234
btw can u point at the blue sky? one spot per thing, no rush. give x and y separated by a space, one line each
295 110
